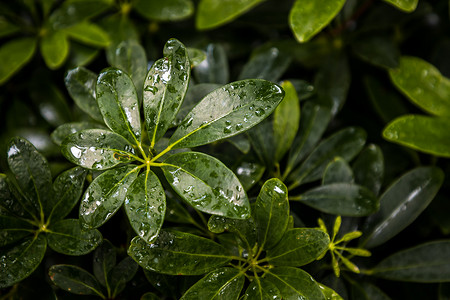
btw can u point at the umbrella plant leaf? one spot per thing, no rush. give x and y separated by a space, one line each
405 5
75 280
169 10
368 168
337 171
379 50
9 205
178 253
245 230
12 229
97 149
88 33
122 273
104 261
329 293
14 55
54 48
63 131
196 56
74 11
206 184
262 289
227 111
214 69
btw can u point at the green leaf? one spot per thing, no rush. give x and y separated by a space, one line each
402 203
75 280
249 173
369 168
81 55
329 293
405 5
214 69
367 291
74 11
346 143
286 120
245 230
121 274
429 262
444 291
379 50
298 247
271 213
20 261
337 171
227 111
422 133
168 10
32 173
12 229
262 289
196 56
164 89
118 103
80 83
178 253
54 49
97 149
145 204
207 184
214 13
309 18
67 189
7 28
345 199
150 296
104 261
263 142
68 237
223 283
294 283
9 205
63 131
14 55
88 33
105 195
423 84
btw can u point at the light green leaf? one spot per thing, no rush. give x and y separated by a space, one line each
307 18
145 204
104 261
12 229
423 133
379 50
214 13
369 168
245 230
97 149
207 184
178 253
402 203
337 171
164 89
223 283
105 195
196 56
88 33
14 55
54 49
214 69
329 293
429 262
74 11
405 5
168 10
261 289
75 280
121 274
227 111
423 84
63 131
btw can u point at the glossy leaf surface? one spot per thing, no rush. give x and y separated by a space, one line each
75 280
74 11
337 171
14 55
169 10
330 294
405 5
9 205
178 253
249 173
262 289
227 111
13 229
97 149
61 132
88 33
369 168
245 230
104 261
379 50
54 49
145 204
207 184
214 69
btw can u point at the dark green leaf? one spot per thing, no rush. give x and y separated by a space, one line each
121 274
81 55
423 133
118 103
308 19
214 69
227 111
14 55
54 49
369 168
104 261
298 247
271 213
105 195
13 229
175 211
245 230
367 291
20 261
337 171
444 291
164 89
405 5
207 184
178 253
379 50
68 237
241 143
263 142
305 90
402 203
262 289
7 28
294 283
145 204
164 283
150 296
429 262
249 173
168 10
345 199
74 11
9 205
97 149
75 280
88 33
61 132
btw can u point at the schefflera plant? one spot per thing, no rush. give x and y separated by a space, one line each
128 152
33 211
265 248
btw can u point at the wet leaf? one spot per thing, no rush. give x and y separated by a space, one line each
118 103
298 247
337 171
271 213
68 237
405 5
75 280
263 142
164 89
214 69
121 274
225 283
145 204
369 168
13 229
54 49
227 111
262 289
105 195
97 149
249 173
245 230
104 261
169 10
72 12
9 205
207 184
178 253
309 18
19 261
345 199
379 50
14 55
329 293
88 33
422 133
61 132
402 203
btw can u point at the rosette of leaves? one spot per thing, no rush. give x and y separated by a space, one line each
128 152
32 212
265 248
